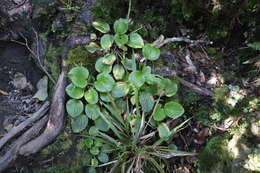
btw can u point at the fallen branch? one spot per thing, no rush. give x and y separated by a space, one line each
161 41
11 155
14 131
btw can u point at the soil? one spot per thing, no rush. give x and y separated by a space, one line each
16 103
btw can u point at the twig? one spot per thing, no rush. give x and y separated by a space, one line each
129 9
14 131
162 42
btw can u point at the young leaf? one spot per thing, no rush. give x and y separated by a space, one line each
74 107
101 67
164 131
103 158
101 26
121 26
109 59
92 111
74 92
79 123
147 101
173 109
151 53
137 78
101 125
94 161
94 150
79 76
118 72
121 89
88 142
159 113
91 96
104 83
135 40
106 41
121 39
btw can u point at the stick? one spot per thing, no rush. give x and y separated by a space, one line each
162 42
14 131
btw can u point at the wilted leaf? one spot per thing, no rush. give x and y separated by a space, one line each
92 47
74 107
42 87
109 59
101 67
118 72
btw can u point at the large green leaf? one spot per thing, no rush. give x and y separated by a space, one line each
121 26
137 78
164 131
94 150
118 72
92 111
74 92
121 39
103 158
106 41
93 131
104 82
121 89
150 52
173 109
101 67
109 59
79 76
88 142
159 113
101 124
91 96
79 123
135 40
147 101
101 26
74 107
104 97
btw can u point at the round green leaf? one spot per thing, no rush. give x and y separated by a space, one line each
121 26
159 113
74 92
88 142
150 52
92 111
103 158
118 72
109 59
170 87
147 101
106 41
101 67
121 89
135 40
104 82
91 96
93 131
94 151
137 78
101 26
106 148
121 39
94 162
173 109
101 124
74 107
79 123
164 131
104 97
98 143
79 76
